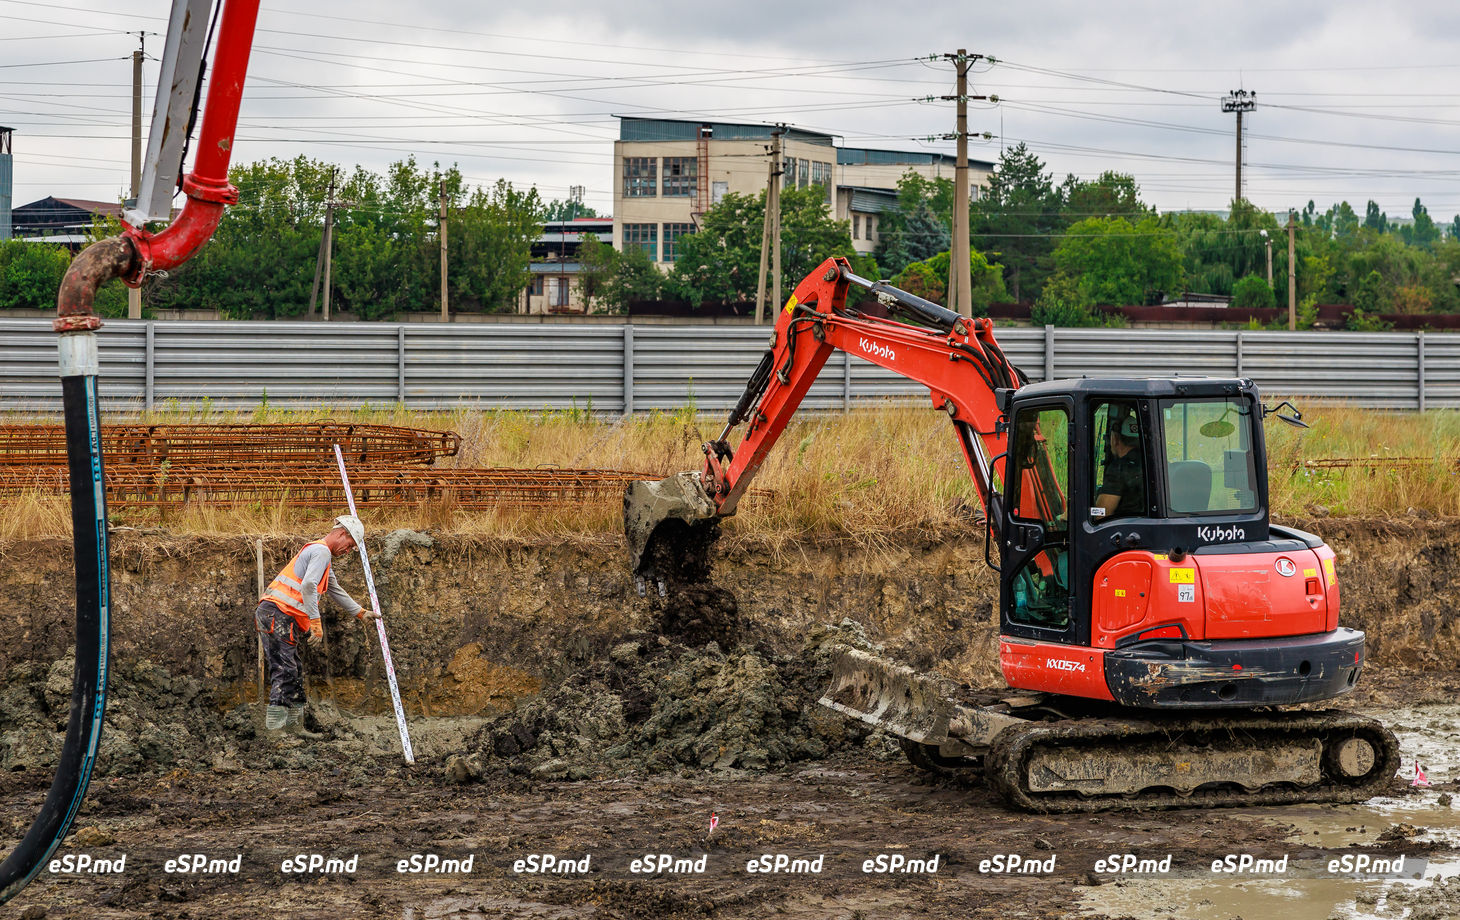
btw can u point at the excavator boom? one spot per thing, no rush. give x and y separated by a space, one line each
936 347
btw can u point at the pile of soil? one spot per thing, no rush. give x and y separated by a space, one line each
655 704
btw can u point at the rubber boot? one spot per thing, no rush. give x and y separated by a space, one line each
276 717
296 724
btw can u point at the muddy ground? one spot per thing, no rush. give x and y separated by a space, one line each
556 712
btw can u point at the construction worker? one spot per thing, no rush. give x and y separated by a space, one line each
1122 488
289 610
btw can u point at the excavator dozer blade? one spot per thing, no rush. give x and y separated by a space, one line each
891 696
665 520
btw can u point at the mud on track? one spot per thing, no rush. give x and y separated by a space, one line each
556 712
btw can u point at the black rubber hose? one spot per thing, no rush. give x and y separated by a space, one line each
88 686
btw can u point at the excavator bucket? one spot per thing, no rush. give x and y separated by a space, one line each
668 524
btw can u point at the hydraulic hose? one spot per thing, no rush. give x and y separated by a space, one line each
130 257
79 367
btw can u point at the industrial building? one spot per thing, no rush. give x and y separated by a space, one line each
669 172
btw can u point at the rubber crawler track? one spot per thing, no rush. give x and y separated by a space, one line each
1005 766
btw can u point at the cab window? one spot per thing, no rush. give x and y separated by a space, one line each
1041 461
1210 466
1118 457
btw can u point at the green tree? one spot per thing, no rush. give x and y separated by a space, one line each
490 239
1015 220
31 273
1423 232
567 209
1373 294
1112 261
635 278
929 280
597 262
1375 219
1113 194
920 227
1062 304
1253 293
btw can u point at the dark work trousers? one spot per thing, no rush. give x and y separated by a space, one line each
281 650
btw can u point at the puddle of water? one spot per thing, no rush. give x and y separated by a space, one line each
1429 733
1288 898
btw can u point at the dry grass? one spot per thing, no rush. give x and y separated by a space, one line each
1378 488
877 476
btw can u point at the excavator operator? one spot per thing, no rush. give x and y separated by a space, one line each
1122 489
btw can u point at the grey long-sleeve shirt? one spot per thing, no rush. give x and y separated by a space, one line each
313 560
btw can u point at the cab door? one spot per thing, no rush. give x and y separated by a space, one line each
1035 596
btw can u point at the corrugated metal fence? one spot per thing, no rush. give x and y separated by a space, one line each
638 368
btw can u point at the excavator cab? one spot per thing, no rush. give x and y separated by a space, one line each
1135 541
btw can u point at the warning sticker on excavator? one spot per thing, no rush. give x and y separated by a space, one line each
1310 573
1183 576
1186 594
1328 567
790 304
1120 592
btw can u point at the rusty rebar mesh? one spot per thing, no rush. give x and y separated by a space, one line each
308 446
171 465
141 486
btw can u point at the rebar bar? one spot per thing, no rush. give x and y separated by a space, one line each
285 446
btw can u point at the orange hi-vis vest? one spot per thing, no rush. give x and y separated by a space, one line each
287 589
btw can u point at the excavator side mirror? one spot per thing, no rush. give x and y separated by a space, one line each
1295 419
1002 396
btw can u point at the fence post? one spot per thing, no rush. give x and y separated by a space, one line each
628 369
400 363
1048 352
1420 377
151 351
1239 353
846 380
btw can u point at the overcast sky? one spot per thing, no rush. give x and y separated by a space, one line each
1354 100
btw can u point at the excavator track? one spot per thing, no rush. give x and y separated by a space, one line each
1274 758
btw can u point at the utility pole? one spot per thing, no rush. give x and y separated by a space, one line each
960 274
1292 273
1239 101
326 244
134 295
1267 243
441 223
775 210
770 236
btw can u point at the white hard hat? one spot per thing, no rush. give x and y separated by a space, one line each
353 525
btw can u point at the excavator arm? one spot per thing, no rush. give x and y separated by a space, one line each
955 357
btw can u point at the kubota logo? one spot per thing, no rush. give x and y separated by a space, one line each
1286 568
1221 534
877 351
1059 664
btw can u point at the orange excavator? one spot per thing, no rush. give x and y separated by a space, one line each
1155 626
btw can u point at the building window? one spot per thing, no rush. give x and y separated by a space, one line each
820 173
640 175
672 233
679 178
856 226
803 173
535 288
644 236
872 223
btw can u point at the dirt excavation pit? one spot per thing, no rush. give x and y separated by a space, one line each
555 711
